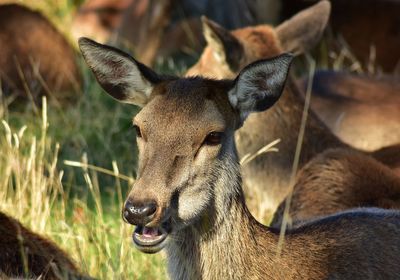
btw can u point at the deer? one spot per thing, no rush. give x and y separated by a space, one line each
227 53
28 67
158 30
373 43
362 110
142 25
337 180
188 197
27 254
101 18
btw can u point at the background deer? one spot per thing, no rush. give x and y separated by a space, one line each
28 66
25 253
188 196
337 180
160 29
361 110
226 53
373 42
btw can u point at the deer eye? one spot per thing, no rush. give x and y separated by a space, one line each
138 132
213 138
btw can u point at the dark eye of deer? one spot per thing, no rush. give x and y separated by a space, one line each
213 138
138 132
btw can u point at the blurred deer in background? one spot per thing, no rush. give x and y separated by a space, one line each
133 23
100 19
35 58
27 254
266 178
142 25
338 180
369 28
188 196
155 29
362 110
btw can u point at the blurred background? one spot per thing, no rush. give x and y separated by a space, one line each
68 152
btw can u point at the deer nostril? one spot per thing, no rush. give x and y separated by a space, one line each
149 209
139 213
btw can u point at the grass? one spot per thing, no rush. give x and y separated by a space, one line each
65 171
48 182
77 208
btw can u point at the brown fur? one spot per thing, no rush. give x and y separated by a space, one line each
361 110
198 191
340 179
150 19
283 120
362 24
43 257
138 24
30 41
99 19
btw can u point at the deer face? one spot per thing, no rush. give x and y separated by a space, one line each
228 52
185 133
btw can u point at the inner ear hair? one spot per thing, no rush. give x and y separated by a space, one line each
226 47
119 74
259 85
304 30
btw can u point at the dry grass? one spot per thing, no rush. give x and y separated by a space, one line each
64 171
286 215
32 191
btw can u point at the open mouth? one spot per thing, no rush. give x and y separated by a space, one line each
149 239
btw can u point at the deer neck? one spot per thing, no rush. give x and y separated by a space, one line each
283 121
317 136
223 242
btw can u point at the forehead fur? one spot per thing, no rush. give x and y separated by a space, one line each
258 42
189 97
262 41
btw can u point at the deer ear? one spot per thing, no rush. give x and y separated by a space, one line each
119 74
226 48
259 85
304 30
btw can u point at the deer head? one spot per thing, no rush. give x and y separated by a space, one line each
184 133
228 52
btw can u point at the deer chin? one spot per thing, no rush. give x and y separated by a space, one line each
150 240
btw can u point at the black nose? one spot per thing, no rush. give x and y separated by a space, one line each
139 213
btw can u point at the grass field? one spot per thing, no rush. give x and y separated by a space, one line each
77 207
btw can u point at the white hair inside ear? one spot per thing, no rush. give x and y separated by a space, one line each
259 85
118 73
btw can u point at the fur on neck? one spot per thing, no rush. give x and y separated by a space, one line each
217 245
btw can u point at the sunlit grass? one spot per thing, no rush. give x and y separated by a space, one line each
77 207
86 224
